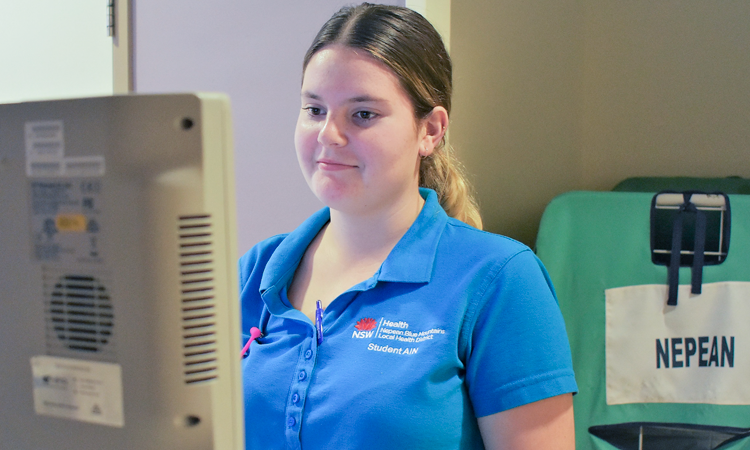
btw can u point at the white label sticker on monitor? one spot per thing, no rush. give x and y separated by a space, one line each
44 140
66 220
45 153
83 166
81 390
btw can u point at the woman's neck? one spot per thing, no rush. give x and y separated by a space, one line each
372 236
348 250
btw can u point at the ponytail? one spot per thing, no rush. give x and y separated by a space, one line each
442 172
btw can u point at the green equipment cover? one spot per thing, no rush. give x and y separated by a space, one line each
727 185
594 241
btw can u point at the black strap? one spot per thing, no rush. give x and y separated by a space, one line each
698 251
699 247
673 275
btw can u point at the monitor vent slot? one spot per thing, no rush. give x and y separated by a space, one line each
197 287
79 313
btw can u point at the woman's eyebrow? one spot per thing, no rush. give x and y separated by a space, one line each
310 95
366 98
357 99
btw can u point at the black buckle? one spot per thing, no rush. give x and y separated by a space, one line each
689 229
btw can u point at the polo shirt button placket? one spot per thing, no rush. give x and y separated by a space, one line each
300 387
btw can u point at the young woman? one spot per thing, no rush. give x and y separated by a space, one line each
433 334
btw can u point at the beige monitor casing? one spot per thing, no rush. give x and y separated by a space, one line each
119 313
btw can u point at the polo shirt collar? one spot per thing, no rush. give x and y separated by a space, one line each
283 262
413 257
410 261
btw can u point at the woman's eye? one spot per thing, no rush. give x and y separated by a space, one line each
364 115
313 111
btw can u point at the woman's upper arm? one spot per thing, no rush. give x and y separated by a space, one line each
546 424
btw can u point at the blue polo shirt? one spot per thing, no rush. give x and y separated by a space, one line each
456 324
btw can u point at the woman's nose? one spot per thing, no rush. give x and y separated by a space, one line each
332 133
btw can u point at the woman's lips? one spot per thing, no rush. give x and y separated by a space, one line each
333 166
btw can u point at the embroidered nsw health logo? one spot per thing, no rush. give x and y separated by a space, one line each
395 333
365 324
364 328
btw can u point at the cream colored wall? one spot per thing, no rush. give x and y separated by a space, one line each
666 90
556 95
517 81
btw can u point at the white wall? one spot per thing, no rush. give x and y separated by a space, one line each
51 49
253 51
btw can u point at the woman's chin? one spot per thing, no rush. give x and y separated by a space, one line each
345 202
336 195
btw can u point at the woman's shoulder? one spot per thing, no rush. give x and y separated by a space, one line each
474 240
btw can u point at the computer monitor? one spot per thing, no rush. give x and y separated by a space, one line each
119 315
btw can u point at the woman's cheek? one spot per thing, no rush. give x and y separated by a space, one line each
305 143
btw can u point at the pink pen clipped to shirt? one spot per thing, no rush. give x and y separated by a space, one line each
254 334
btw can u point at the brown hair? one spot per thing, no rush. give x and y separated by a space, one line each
410 46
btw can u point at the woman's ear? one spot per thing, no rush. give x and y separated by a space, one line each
433 129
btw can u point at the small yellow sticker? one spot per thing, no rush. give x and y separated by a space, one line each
75 223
